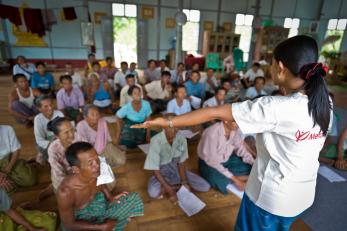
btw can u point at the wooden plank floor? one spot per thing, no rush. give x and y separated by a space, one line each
219 214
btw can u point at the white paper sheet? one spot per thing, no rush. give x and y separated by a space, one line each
232 188
188 202
196 102
188 134
106 173
144 148
110 119
330 175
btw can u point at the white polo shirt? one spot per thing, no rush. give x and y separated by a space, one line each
283 177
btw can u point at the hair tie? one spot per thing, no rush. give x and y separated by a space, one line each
312 71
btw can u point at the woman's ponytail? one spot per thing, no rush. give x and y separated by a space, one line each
319 105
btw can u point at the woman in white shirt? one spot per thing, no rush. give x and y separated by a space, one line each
291 131
179 105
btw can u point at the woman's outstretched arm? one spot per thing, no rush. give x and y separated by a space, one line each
193 118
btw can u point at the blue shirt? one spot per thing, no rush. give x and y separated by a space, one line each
128 111
42 82
197 90
172 107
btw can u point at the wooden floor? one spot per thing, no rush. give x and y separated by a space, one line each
219 214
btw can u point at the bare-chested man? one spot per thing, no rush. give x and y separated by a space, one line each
85 206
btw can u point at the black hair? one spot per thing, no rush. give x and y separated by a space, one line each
74 149
87 107
150 61
41 98
130 76
163 60
179 64
65 77
220 89
132 88
37 64
95 63
256 64
109 58
18 76
166 73
180 86
20 56
209 69
68 63
197 72
299 55
224 80
91 55
259 77
124 63
54 124
132 63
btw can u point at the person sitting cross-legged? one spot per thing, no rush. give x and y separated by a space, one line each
83 205
70 99
167 155
224 158
21 101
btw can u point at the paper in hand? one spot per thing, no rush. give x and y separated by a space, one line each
106 173
188 202
195 102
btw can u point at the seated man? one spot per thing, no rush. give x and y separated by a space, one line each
177 76
6 207
24 67
85 206
216 100
70 99
42 81
167 155
42 136
124 96
21 101
89 65
94 130
159 92
194 87
179 105
257 90
210 81
76 77
13 171
109 70
132 71
151 73
251 74
217 164
162 66
119 77
96 68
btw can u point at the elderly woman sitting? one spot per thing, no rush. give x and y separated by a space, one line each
134 112
13 171
94 130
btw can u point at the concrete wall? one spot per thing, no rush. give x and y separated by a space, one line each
64 42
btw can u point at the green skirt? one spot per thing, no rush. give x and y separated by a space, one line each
216 179
22 174
132 137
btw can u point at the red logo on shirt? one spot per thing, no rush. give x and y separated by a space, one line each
301 136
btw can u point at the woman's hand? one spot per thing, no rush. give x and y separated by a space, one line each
158 122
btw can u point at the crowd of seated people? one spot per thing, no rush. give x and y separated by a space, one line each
73 137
